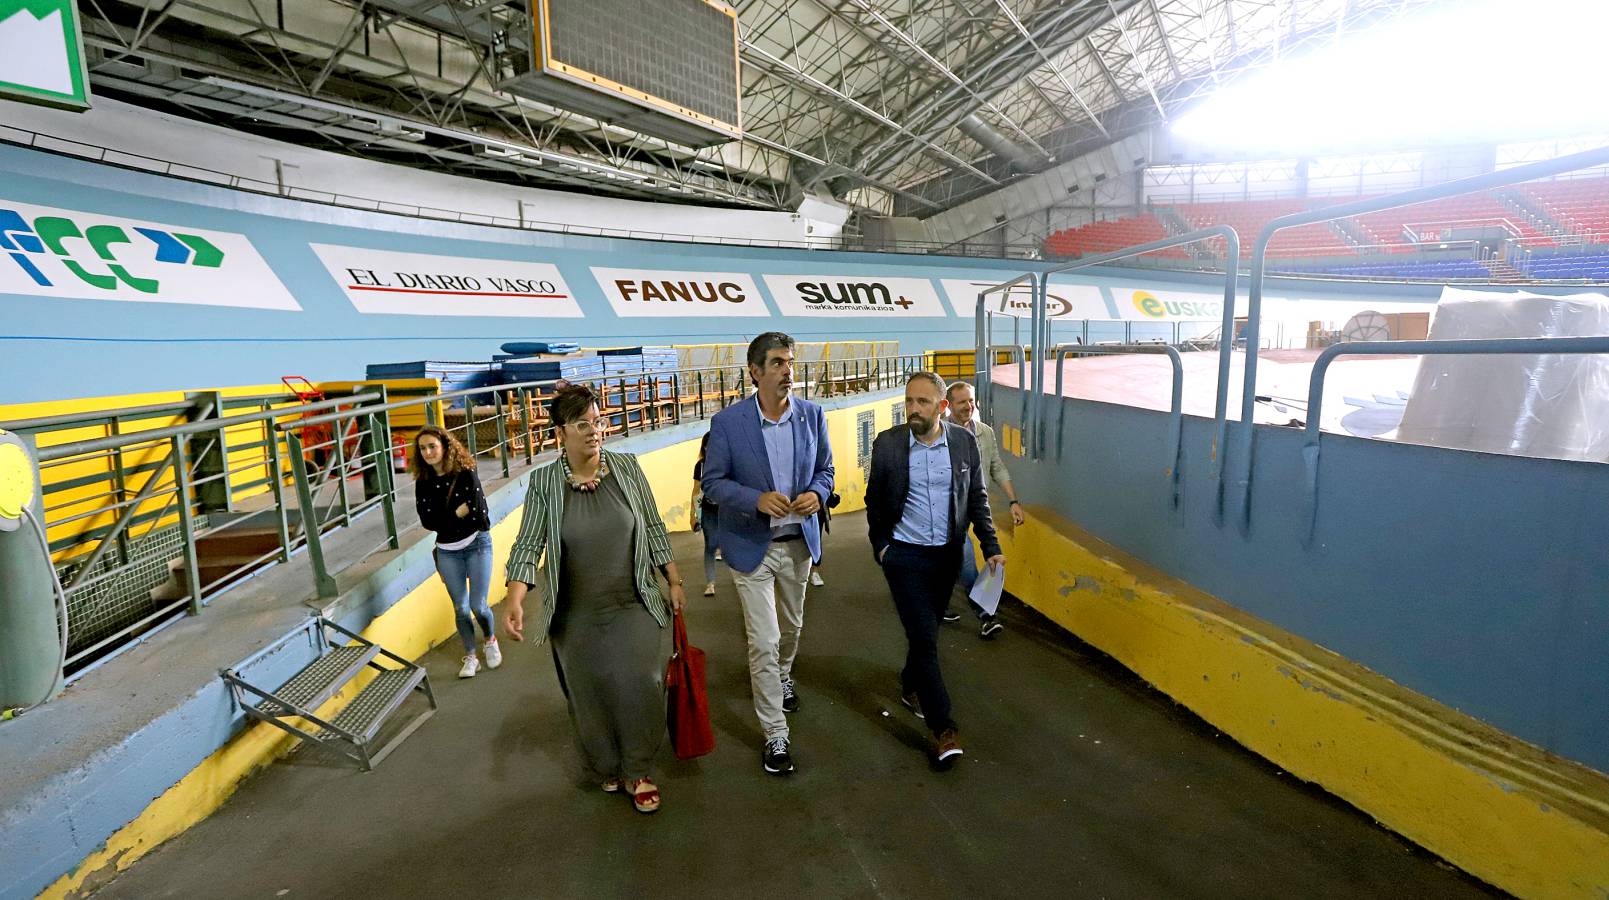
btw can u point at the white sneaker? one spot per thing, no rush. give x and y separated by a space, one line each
709 589
494 653
471 666
815 578
717 552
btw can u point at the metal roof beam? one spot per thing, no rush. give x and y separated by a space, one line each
1073 16
1054 69
772 63
944 70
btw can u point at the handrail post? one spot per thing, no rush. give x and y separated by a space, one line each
470 440
322 582
502 429
527 414
181 483
276 472
339 432
676 395
375 444
388 492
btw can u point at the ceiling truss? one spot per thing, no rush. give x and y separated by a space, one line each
862 99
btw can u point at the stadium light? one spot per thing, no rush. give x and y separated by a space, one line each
1459 73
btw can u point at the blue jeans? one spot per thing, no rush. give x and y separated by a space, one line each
707 525
468 574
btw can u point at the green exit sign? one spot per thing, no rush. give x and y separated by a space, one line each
42 54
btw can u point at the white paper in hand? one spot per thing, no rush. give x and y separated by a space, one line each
789 519
986 590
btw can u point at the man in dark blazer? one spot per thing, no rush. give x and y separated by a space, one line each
925 490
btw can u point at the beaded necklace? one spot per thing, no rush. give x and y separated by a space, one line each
583 486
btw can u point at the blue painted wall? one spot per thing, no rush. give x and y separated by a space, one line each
1479 580
53 348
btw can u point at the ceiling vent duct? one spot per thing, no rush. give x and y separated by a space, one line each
1020 158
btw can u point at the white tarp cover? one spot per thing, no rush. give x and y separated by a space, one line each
1552 405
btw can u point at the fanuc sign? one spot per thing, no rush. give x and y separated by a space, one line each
635 293
70 254
855 295
418 284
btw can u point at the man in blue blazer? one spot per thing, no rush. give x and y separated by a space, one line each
768 469
925 490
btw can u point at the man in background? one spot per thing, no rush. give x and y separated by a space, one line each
963 404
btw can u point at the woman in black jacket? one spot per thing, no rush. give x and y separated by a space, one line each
450 502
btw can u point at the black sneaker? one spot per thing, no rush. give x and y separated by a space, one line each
990 627
790 699
912 703
951 616
774 757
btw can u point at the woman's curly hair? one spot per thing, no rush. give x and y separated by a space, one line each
455 457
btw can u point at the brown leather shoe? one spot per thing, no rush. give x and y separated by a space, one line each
946 747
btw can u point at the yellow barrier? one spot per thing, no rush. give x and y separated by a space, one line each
1501 809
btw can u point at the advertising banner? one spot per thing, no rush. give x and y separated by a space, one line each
635 293
419 284
87 256
861 296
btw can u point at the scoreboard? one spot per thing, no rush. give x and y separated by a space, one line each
668 68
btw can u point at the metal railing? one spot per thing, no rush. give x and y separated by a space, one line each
134 503
1312 434
1175 406
134 500
1241 446
1245 436
1034 424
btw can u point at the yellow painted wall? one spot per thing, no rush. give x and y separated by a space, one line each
1503 810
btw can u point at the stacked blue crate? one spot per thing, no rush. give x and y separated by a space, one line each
454 376
518 369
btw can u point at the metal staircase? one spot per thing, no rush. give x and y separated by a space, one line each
343 656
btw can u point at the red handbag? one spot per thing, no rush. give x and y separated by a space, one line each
687 706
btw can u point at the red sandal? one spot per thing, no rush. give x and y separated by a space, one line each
644 795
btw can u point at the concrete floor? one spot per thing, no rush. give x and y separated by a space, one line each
1078 780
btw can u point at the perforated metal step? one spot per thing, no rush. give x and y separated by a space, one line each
369 709
293 707
309 688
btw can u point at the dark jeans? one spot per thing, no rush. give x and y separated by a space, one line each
920 579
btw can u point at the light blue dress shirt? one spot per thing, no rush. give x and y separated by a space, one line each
778 437
926 519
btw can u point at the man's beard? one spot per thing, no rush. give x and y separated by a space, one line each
919 425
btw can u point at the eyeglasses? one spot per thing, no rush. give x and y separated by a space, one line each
585 427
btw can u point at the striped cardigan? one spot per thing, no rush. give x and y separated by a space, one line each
544 524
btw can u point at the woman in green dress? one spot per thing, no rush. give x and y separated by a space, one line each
594 515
